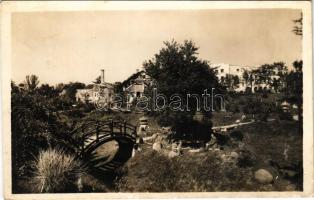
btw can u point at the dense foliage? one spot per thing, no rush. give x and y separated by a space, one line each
176 69
36 124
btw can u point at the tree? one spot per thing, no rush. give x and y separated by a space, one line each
249 79
47 90
298 65
298 28
71 89
118 88
14 88
228 81
295 87
261 110
176 69
275 84
31 82
246 76
35 126
273 75
97 80
236 81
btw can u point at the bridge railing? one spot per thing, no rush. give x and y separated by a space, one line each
93 131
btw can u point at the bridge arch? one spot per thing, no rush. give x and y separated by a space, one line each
94 134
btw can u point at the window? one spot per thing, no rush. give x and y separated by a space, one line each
238 70
216 70
222 70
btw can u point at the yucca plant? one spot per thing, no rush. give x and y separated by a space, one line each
56 171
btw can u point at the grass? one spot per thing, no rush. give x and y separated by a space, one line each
264 143
278 142
153 172
55 171
225 118
149 171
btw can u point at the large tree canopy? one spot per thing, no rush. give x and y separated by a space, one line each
176 69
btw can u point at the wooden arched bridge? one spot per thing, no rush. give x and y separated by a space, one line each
93 134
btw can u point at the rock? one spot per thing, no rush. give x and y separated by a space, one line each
229 158
158 139
291 187
166 129
173 154
223 157
241 145
79 184
154 136
234 155
263 176
288 173
174 146
139 140
267 187
157 146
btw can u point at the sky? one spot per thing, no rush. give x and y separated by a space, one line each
60 47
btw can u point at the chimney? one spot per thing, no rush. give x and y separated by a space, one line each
102 76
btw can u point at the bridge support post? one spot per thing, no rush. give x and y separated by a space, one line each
111 128
124 127
82 150
82 142
97 131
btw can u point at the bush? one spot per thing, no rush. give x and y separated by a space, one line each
149 172
248 90
76 113
88 107
234 108
55 171
154 172
35 126
285 116
261 109
246 159
186 127
237 135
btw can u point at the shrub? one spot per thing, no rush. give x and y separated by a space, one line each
232 107
238 135
246 159
55 171
148 172
186 127
285 116
88 107
154 172
222 139
34 126
248 90
261 109
76 113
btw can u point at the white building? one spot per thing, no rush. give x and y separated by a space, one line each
223 69
102 90
137 85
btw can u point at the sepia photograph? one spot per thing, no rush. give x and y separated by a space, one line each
195 100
